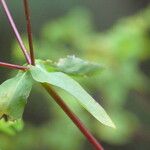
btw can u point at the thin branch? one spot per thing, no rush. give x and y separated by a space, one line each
18 37
72 116
13 66
29 30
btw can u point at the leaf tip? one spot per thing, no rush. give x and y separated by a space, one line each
111 124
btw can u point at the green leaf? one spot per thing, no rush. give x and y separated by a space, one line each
71 65
11 127
66 83
47 64
13 95
76 66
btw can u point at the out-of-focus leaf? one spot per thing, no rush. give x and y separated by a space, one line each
66 83
67 29
13 95
76 66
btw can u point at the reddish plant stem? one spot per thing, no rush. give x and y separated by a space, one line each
13 66
72 116
18 37
29 30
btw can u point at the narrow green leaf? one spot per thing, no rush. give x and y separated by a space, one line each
13 95
66 83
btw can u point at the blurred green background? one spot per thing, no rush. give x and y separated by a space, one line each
115 34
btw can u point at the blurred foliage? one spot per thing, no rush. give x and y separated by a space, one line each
11 127
122 50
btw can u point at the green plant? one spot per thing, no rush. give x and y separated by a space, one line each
122 49
15 91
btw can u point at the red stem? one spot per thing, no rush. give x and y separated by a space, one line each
18 37
13 66
73 117
29 30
